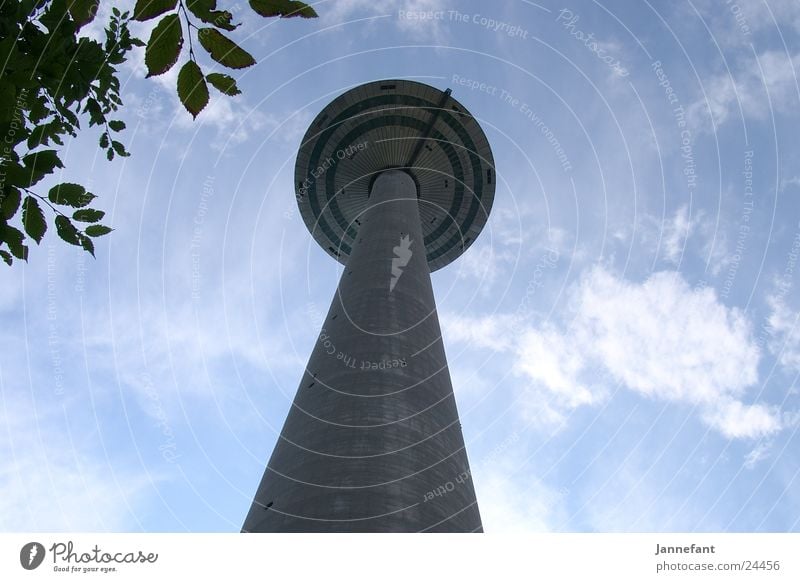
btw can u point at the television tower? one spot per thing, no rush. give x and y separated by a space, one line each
394 179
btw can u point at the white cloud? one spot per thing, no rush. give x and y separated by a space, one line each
483 332
11 290
634 499
413 28
515 224
737 22
505 247
52 482
757 455
148 348
484 264
553 361
737 420
755 85
764 15
715 246
680 235
505 225
670 234
509 507
511 502
794 182
663 339
784 331
676 232
659 338
234 119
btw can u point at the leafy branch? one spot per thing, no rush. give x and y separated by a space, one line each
52 78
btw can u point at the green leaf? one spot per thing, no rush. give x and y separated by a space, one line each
8 98
71 117
13 238
36 166
10 203
88 215
104 140
38 137
67 231
33 219
221 19
6 257
116 125
110 154
119 149
19 176
205 11
164 46
283 8
224 50
42 162
95 112
98 230
223 83
86 243
82 11
147 9
68 194
201 8
192 89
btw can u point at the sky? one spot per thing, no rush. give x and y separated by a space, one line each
623 337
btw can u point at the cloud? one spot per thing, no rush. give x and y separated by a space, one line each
793 182
737 420
784 331
737 22
757 455
670 234
634 499
478 332
664 339
11 291
756 85
411 28
484 264
233 119
764 15
677 237
52 481
506 247
676 232
507 506
659 338
555 365
511 502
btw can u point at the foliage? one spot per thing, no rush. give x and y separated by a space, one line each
53 77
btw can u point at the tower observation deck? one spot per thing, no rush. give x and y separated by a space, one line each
394 179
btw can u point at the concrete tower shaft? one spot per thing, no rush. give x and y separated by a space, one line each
373 441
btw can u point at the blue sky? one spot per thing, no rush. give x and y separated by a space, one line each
623 338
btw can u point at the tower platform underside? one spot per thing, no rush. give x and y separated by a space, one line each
404 125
